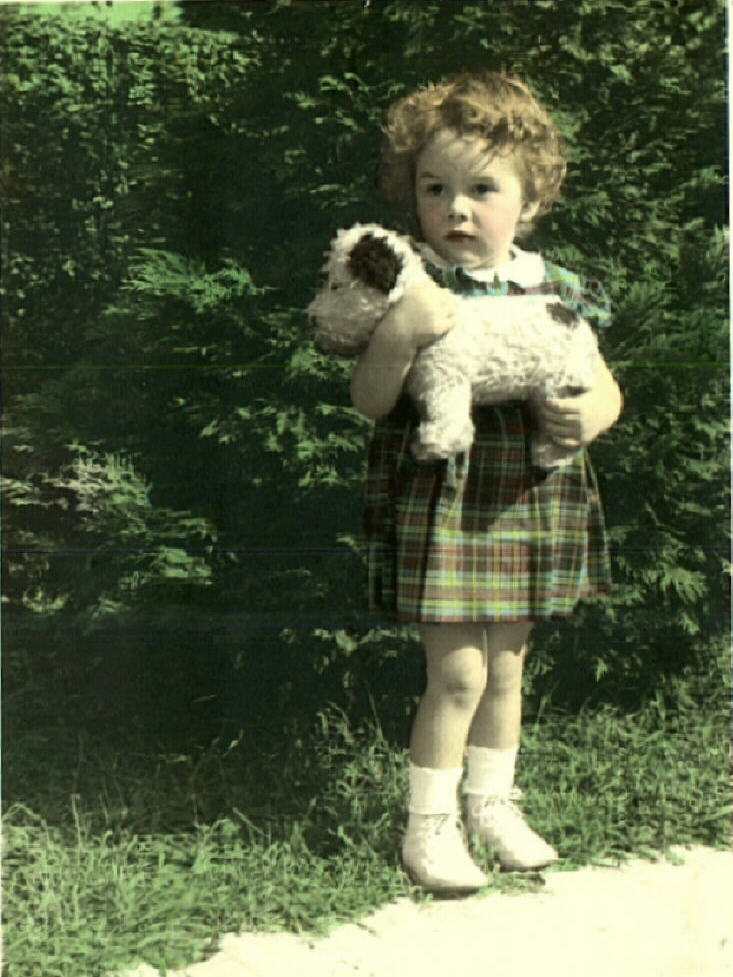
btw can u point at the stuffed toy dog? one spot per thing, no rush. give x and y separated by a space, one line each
509 347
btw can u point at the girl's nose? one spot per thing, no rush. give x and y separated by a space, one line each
458 206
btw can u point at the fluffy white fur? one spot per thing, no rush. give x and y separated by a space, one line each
517 347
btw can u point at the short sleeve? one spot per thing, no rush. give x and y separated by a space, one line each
587 296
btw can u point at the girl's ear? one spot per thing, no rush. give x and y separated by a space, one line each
529 210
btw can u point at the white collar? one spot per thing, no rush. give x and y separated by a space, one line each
524 268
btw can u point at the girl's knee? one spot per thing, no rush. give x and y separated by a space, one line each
506 649
456 665
505 674
461 678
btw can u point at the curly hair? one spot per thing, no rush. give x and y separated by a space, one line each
498 108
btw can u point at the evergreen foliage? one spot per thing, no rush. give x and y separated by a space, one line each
172 439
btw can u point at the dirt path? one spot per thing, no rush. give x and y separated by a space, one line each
641 920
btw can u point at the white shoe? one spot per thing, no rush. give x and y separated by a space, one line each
435 857
499 823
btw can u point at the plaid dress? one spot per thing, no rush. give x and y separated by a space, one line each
484 536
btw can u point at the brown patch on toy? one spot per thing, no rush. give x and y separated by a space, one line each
373 262
563 314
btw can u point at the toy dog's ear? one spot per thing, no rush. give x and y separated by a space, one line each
373 262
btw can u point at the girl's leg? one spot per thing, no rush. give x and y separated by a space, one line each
433 849
498 718
456 666
492 752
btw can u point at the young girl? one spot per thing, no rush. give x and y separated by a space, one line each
475 548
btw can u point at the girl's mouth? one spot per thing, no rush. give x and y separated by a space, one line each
459 236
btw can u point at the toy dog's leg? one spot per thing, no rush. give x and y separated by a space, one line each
446 427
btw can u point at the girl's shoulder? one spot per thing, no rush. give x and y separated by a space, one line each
586 295
527 272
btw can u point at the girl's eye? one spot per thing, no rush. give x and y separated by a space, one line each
482 188
434 189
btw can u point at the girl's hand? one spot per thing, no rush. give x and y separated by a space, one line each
572 422
424 313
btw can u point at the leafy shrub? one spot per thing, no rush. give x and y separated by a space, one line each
86 538
168 191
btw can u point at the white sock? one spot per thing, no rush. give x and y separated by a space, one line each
433 791
490 771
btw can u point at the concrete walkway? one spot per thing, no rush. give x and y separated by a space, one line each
643 919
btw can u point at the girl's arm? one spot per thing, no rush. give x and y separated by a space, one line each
572 422
380 371
424 313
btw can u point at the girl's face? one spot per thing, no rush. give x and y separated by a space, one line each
468 202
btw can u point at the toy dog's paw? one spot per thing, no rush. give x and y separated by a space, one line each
433 441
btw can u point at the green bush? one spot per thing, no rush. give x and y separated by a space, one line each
168 190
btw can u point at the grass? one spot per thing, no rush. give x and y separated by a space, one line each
148 858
